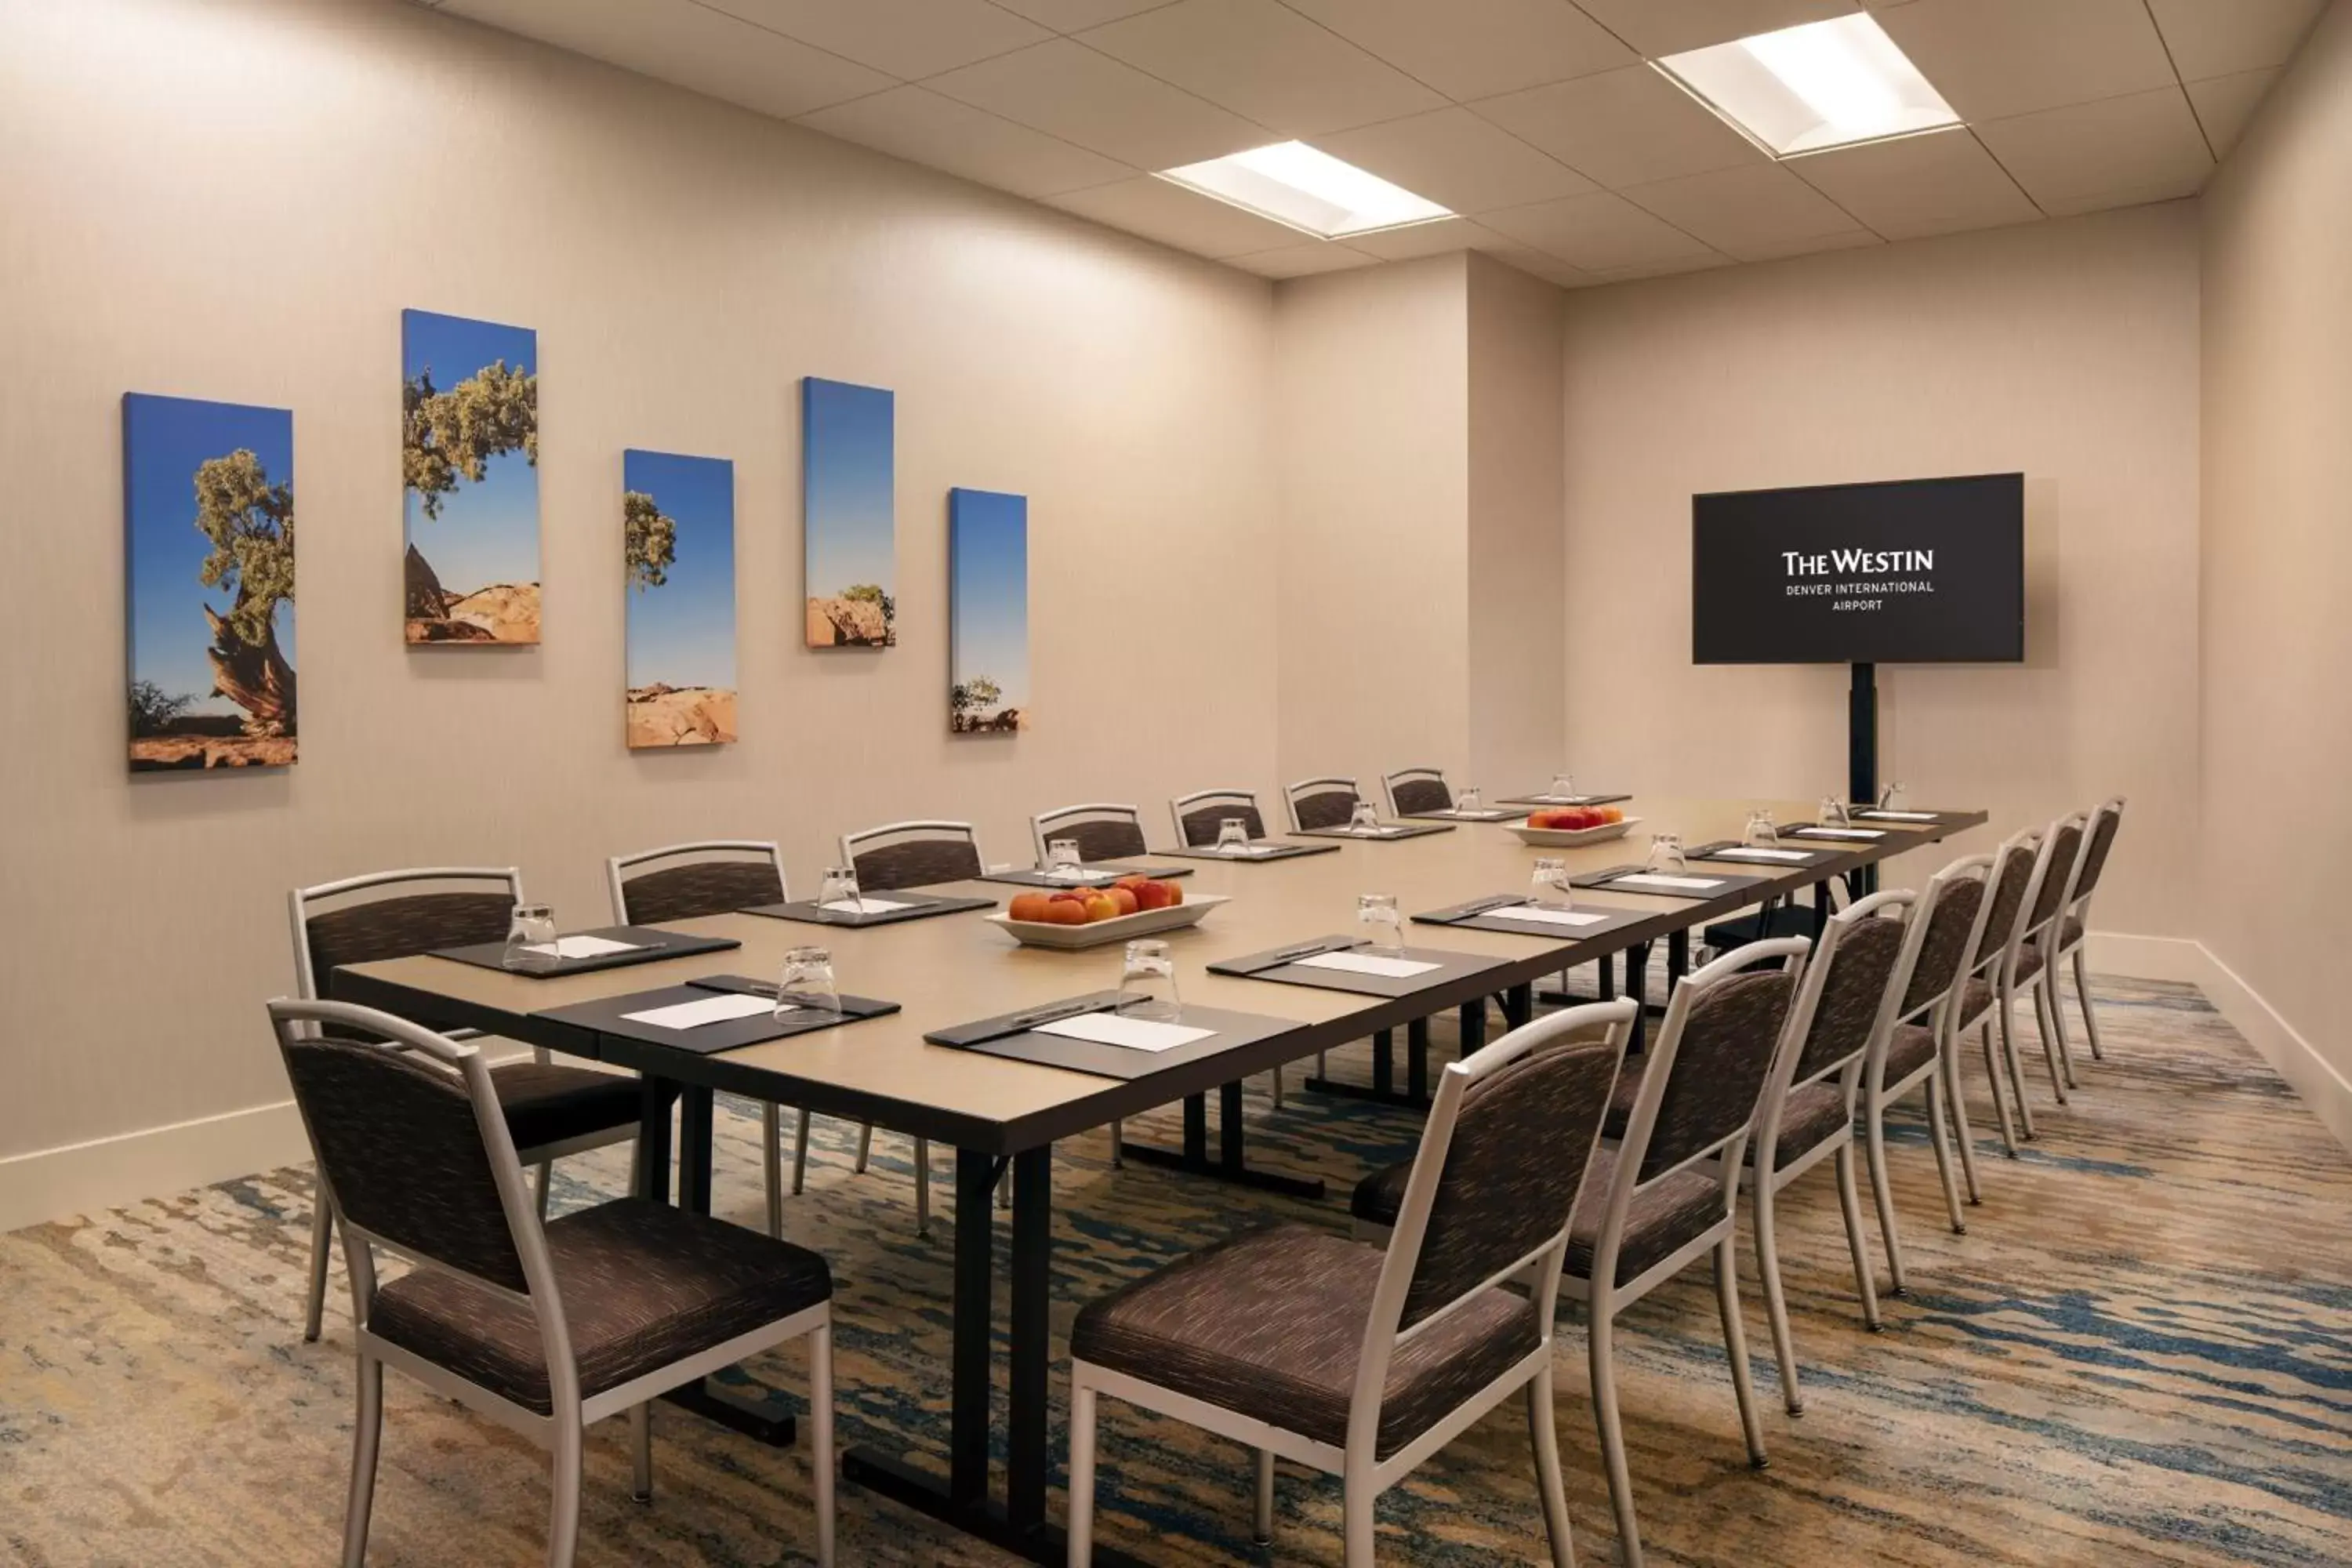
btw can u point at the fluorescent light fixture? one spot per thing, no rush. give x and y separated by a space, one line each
1825 84
1294 184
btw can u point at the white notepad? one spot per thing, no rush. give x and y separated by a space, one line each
1898 815
583 946
1117 1029
864 906
1369 963
1839 833
1548 916
1745 854
1675 884
717 1009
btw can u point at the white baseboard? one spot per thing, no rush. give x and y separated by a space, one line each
106 1173
2177 958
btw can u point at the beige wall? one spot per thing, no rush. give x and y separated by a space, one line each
2278 553
233 199
2067 349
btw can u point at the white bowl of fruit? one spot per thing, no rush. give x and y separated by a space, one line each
1565 827
1089 917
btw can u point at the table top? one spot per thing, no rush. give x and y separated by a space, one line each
957 968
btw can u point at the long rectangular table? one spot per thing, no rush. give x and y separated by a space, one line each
997 1112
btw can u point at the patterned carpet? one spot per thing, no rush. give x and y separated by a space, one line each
2141 1353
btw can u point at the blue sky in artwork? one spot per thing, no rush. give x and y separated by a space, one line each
989 590
848 497
487 533
165 440
683 633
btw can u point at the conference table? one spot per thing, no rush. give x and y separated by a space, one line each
998 1113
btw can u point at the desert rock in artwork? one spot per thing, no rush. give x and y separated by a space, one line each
690 716
847 623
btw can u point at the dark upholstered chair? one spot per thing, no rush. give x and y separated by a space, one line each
551 1110
1200 816
1412 790
1978 997
543 1327
912 854
2029 962
1101 832
1321 803
1362 1362
1663 1198
2065 942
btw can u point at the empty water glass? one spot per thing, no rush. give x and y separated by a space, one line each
1063 862
1666 854
1146 984
1468 800
840 891
1564 788
807 982
1834 813
530 940
1376 913
1889 795
1364 819
1761 834
1233 836
1554 884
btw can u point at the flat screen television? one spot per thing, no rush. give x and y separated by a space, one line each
1910 572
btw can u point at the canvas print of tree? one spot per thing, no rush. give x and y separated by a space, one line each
849 510
469 458
208 510
988 613
677 523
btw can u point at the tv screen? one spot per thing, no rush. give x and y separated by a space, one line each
1913 572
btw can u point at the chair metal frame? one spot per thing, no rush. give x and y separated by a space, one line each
1291 794
541 1158
1096 811
1198 798
2035 934
2077 906
1987 957
562 1431
1364 1475
1405 775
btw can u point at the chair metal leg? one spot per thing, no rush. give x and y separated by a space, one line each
1544 1437
799 1153
323 1238
864 1147
563 1520
1776 1301
1356 1510
2016 1064
641 1452
1865 1282
2082 997
1873 1131
1999 1101
367 1441
2048 980
771 1165
2054 1046
1963 1138
820 1459
1735 1347
1600 1321
1937 1141
1080 1529
543 1174
923 1187
1262 1526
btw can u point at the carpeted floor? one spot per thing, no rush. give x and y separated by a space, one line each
2140 1353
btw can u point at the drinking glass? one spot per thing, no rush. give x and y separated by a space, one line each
1563 789
807 982
1146 984
532 927
1666 854
1834 813
1554 884
841 888
1467 799
1376 913
1761 834
1233 836
1889 795
1063 861
1364 819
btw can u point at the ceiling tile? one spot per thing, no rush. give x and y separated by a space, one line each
1919 185
1622 128
1440 238
2111 153
1814 245
1173 215
1457 160
1265 61
2221 37
1669 26
1665 268
1077 15
1068 90
917 124
2225 103
688 46
1535 264
1994 58
1595 232
1299 260
1751 213
905 38
1475 48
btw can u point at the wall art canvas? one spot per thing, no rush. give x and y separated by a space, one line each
849 514
988 613
469 459
677 520
208 512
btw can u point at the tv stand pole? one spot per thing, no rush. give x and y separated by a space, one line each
1862 758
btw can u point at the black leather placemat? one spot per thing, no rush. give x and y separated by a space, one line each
1867 816
920 906
853 1009
987 1036
657 944
1726 882
1493 913
1389 832
1097 876
1272 965
1485 813
1274 852
1727 850
1563 799
605 1016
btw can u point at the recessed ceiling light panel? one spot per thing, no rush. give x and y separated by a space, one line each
1825 84
1295 184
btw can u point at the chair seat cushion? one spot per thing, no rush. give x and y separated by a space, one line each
1662 1218
1269 1325
643 1285
1909 1048
2029 962
1810 1117
548 1103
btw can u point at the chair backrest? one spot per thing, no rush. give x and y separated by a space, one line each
2001 921
1494 1187
396 914
912 854
1417 789
1712 1057
2105 818
714 876
1844 1006
1321 803
2053 872
1943 927
1200 816
1103 832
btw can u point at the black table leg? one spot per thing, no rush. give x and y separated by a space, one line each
1027 1463
1821 908
975 1304
714 1402
655 1097
1637 986
1230 1166
1384 1062
1678 959
694 1132
1520 1005
1473 1026
1384 1089
1609 978
1416 1064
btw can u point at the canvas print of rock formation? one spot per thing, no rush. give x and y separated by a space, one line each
849 511
208 506
988 613
677 520
470 458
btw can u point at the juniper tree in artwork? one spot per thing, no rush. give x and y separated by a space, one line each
452 434
250 522
650 537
